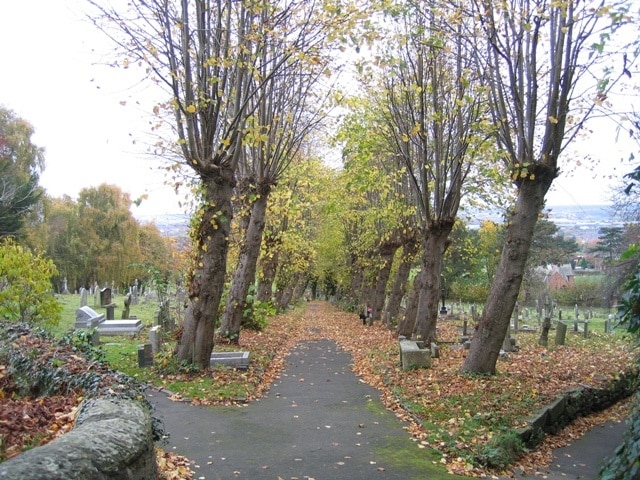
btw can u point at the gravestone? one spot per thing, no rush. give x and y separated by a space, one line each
127 303
134 292
84 294
145 356
105 297
120 327
238 360
87 317
155 338
561 333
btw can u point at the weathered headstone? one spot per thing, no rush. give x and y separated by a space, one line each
87 317
561 333
412 356
238 360
145 356
544 334
134 292
105 297
155 338
120 327
127 303
83 297
96 294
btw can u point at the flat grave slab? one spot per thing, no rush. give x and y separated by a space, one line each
239 360
120 327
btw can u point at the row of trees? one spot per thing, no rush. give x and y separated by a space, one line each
493 93
452 92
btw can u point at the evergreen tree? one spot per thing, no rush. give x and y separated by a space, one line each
20 165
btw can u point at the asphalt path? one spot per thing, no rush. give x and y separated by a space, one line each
320 422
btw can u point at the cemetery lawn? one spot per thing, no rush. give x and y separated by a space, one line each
459 415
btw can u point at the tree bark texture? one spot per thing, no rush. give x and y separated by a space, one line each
435 244
245 273
269 267
206 283
379 290
399 288
496 317
408 323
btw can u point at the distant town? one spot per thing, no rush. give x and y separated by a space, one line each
580 221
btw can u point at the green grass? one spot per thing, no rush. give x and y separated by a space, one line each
121 353
145 311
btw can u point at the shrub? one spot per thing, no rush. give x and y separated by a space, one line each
502 450
25 286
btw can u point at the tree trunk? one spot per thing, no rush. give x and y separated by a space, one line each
495 319
379 290
206 282
355 289
299 289
265 282
399 289
427 312
245 273
287 293
408 323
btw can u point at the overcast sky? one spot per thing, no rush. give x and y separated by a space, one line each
51 76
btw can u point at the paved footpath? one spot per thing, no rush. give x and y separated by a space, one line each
582 459
319 421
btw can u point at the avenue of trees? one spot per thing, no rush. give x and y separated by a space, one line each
494 92
453 105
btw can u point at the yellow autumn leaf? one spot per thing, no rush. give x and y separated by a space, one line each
553 120
191 108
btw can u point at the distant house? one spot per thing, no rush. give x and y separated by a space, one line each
557 277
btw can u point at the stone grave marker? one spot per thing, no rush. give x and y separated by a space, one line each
155 338
145 355
87 317
238 360
84 294
105 297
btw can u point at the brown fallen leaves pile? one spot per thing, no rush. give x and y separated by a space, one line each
440 397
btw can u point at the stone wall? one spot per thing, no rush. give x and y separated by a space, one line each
575 403
112 440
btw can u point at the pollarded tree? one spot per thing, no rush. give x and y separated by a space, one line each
536 55
284 116
433 113
295 219
215 57
21 163
377 216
